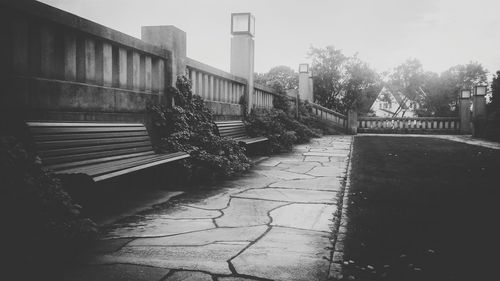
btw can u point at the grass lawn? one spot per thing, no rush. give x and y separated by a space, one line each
422 209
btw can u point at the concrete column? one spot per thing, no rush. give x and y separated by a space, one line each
478 107
479 115
107 64
69 56
311 87
133 70
171 38
148 68
242 63
48 51
305 89
352 122
212 88
142 73
90 60
122 68
464 112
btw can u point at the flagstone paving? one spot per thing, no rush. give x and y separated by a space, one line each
276 222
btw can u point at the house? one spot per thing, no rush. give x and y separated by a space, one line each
392 104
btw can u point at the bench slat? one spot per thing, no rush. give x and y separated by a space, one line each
69 130
144 166
89 149
65 166
80 124
88 156
103 168
40 138
47 145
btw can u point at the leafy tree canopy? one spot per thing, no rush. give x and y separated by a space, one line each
342 82
436 95
283 75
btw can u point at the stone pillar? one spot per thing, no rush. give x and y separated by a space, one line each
464 112
242 54
478 107
304 86
352 122
171 38
479 115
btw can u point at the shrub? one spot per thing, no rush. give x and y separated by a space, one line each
267 123
41 222
188 126
280 127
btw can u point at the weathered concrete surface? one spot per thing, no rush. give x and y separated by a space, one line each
275 222
322 183
204 237
158 227
247 212
304 216
289 195
286 254
211 257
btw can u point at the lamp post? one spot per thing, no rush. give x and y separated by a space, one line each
479 110
464 111
303 91
242 51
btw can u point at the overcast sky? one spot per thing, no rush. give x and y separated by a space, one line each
440 33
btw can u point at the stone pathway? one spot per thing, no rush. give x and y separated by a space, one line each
277 222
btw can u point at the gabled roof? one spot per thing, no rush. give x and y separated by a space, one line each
396 94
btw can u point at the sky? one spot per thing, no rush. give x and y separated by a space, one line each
384 33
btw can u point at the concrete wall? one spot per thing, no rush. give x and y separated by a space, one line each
58 66
221 91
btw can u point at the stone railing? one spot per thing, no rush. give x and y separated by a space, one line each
213 84
221 91
263 96
419 125
330 115
66 67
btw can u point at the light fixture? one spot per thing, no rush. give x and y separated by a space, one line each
303 68
242 24
480 90
465 94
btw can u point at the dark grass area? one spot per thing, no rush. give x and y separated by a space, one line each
422 209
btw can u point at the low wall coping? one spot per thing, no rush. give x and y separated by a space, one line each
47 12
199 66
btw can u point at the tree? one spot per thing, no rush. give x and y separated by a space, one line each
495 97
284 75
435 94
407 79
341 82
442 94
361 87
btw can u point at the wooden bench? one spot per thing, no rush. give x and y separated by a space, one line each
100 150
235 129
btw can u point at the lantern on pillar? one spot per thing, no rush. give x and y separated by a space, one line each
480 90
465 94
242 24
303 68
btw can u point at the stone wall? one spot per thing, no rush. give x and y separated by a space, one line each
58 66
